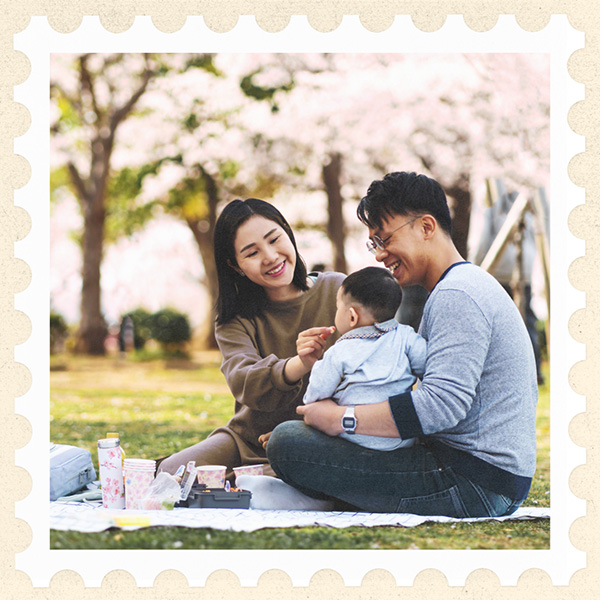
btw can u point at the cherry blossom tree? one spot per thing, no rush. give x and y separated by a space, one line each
206 129
95 105
92 97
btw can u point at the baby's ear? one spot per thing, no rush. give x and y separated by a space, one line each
354 316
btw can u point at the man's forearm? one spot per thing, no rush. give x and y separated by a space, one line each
376 419
373 419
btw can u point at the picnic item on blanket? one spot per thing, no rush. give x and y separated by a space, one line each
162 494
189 476
111 473
270 493
87 495
202 497
139 474
71 469
252 470
112 435
212 476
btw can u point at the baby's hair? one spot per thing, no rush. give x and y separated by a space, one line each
376 290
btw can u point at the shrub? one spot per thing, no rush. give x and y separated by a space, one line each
142 332
171 329
58 331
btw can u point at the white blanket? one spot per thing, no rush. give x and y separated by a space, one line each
77 516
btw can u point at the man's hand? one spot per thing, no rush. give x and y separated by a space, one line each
324 415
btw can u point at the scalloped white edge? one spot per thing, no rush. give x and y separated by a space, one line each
558 39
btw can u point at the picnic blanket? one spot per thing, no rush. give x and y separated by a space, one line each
91 517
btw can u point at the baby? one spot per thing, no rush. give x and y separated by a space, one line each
375 358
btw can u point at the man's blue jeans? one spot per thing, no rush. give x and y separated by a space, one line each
407 480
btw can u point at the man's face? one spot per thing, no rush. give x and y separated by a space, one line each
401 255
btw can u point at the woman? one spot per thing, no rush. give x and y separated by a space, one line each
268 310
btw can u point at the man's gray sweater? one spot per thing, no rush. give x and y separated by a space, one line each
476 404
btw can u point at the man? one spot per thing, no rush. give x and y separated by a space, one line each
474 411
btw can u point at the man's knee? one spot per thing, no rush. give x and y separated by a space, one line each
283 438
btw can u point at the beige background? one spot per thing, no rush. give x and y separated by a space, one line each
376 15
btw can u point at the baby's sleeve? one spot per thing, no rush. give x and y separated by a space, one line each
325 378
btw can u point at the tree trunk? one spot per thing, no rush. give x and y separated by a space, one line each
461 194
92 328
331 174
203 230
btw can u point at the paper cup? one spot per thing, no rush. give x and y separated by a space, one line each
213 476
139 474
253 470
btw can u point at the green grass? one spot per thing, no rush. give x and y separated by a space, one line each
160 407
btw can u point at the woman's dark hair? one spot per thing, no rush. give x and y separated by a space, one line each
403 193
376 290
237 294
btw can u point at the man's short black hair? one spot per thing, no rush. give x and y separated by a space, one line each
376 290
403 193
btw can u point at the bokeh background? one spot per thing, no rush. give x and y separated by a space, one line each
147 149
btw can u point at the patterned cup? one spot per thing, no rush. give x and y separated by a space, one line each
139 474
248 470
213 476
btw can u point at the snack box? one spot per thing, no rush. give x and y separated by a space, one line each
202 497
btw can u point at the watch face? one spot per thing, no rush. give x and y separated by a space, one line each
348 422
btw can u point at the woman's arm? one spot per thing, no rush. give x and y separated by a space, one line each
310 346
262 382
255 381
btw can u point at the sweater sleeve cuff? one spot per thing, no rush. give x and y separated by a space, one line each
278 379
405 416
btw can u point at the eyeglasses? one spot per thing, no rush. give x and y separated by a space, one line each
376 243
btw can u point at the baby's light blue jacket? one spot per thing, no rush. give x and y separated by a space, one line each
366 366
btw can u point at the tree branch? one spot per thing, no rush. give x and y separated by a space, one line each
122 112
78 182
87 83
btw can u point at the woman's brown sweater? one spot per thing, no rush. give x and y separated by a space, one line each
255 352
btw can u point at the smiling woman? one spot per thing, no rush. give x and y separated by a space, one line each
267 256
268 309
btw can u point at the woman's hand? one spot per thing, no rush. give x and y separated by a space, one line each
324 415
264 438
310 344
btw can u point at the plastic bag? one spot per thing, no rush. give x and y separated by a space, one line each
162 494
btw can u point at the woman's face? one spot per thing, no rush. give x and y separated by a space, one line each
265 254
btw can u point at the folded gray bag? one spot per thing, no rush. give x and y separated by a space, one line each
71 469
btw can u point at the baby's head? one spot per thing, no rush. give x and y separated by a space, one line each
368 296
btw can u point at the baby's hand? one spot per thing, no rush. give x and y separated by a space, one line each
264 438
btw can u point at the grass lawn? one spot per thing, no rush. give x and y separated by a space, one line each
160 407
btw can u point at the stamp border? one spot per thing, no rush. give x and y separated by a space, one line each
274 16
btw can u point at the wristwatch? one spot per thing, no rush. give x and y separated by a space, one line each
349 421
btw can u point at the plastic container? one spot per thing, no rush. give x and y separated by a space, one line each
188 479
139 474
111 473
201 497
